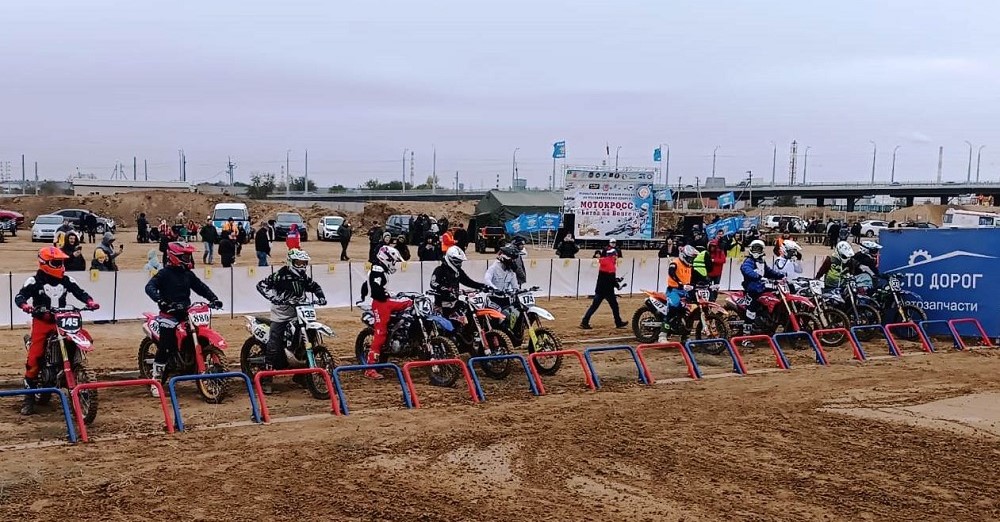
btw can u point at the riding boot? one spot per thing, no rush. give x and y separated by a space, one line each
28 406
156 375
372 373
266 383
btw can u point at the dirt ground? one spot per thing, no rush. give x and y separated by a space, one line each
774 445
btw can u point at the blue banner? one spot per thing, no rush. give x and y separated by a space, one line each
657 155
559 149
550 221
750 222
530 222
514 226
954 272
664 195
730 225
727 200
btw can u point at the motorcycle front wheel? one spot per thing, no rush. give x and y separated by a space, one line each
316 384
213 391
252 357
716 327
548 341
835 319
646 324
866 315
500 344
363 344
443 375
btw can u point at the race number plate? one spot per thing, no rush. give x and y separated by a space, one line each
895 284
783 287
423 305
69 323
201 318
154 327
816 287
478 301
703 295
527 299
306 313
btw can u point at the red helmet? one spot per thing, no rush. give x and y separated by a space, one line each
51 260
180 253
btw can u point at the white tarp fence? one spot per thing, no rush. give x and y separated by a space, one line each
122 295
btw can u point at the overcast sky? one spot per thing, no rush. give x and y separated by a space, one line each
86 84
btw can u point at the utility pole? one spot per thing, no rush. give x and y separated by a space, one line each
434 166
666 170
617 150
230 166
713 159
24 180
794 153
979 160
135 170
892 173
145 170
513 169
774 161
36 178
874 155
968 173
404 169
750 185
412 161
805 165
456 182
305 179
288 174
940 162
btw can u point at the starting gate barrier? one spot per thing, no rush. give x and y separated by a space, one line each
855 347
738 366
881 329
955 340
820 354
364 367
588 356
78 409
266 413
437 362
70 432
554 353
982 333
779 357
693 371
925 344
486 358
172 386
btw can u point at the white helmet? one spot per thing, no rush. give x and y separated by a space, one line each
756 249
870 247
454 258
844 250
688 253
388 257
789 248
298 261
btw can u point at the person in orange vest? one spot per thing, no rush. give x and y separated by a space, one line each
679 278
607 283
447 241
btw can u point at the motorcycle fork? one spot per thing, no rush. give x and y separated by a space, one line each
791 314
67 364
199 358
899 308
821 312
304 339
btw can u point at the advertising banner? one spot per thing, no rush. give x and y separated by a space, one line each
727 200
730 225
515 226
609 203
954 272
550 221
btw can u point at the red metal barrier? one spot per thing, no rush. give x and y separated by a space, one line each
779 356
692 372
847 335
572 353
437 362
266 415
982 332
925 344
75 397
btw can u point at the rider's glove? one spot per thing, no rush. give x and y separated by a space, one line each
215 305
164 305
27 308
91 305
321 301
688 288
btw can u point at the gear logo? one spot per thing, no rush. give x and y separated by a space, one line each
918 256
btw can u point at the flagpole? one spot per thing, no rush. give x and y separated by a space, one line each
552 185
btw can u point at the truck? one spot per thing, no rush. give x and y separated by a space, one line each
237 211
959 218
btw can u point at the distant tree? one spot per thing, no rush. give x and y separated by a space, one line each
261 185
374 184
786 200
49 188
337 188
297 185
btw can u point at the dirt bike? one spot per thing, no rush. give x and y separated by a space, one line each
860 309
199 350
898 305
412 333
828 309
303 346
779 309
523 323
698 316
64 364
475 333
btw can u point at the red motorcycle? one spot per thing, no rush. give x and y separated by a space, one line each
65 362
780 308
199 351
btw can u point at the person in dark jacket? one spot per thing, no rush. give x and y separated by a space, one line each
402 247
241 237
568 248
345 233
73 249
105 255
227 250
429 251
374 241
604 289
262 244
448 278
461 237
209 236
142 228
856 232
171 290
90 225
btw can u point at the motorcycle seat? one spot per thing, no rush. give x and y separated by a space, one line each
262 319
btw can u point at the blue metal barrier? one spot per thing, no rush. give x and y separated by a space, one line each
738 367
820 359
407 401
70 431
172 388
623 348
888 338
486 358
951 333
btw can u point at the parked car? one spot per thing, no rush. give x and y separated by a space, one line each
872 227
773 222
13 220
44 227
398 224
76 215
328 228
918 224
283 222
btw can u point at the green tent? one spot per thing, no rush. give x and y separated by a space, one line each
498 206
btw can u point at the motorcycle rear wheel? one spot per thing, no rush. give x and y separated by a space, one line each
500 344
363 344
315 383
213 391
643 333
548 341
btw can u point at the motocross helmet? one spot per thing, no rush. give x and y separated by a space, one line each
518 242
756 249
454 258
687 254
51 260
844 250
870 247
298 261
388 257
180 253
789 249
507 255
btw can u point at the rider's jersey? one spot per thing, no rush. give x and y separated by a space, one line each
500 278
678 274
283 286
791 268
45 291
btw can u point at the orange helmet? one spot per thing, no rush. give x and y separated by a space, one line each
51 260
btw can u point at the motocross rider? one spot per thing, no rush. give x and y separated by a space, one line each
789 261
285 289
448 278
679 281
755 273
835 265
171 290
47 289
502 275
864 264
382 306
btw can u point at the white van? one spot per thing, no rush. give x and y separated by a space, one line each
958 218
237 211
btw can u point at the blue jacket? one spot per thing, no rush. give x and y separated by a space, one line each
754 272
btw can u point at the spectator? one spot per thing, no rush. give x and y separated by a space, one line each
90 225
832 233
374 241
717 260
105 255
241 238
192 231
230 226
607 283
345 239
461 237
292 239
443 224
429 251
152 261
447 241
60 238
417 229
72 248
892 224
227 250
163 229
209 236
856 232
142 228
664 251
567 249
166 236
69 243
404 249
261 244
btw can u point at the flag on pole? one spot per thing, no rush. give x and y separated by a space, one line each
559 149
657 156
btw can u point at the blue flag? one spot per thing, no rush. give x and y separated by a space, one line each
559 149
727 200
657 155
